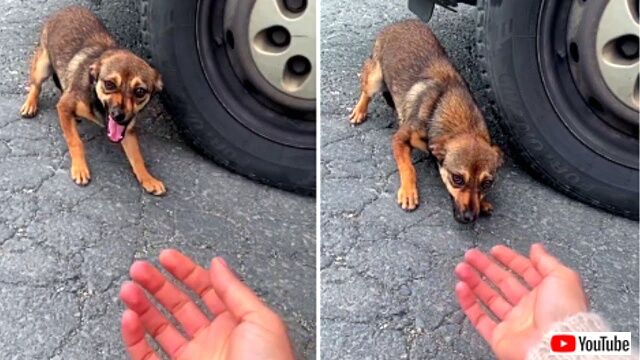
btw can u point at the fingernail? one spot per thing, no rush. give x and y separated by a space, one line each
224 263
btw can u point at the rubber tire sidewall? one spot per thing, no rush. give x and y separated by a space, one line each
169 30
507 47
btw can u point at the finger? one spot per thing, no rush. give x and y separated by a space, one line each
154 323
512 289
517 263
543 261
494 301
194 276
477 316
133 337
173 299
238 298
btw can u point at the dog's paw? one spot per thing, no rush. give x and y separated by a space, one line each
153 186
80 174
29 109
357 116
486 209
408 198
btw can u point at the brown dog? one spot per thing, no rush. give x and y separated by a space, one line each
100 82
436 114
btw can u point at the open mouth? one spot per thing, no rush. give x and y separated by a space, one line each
115 131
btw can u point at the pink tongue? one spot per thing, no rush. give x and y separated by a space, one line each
114 130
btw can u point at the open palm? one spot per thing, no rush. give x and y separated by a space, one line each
535 293
243 326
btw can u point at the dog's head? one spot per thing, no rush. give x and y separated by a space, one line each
468 165
124 83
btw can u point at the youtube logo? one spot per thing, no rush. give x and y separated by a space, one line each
591 343
563 343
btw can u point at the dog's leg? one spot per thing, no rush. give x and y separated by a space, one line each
79 169
417 140
408 192
132 150
370 83
39 72
486 209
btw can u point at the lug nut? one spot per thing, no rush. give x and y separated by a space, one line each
295 6
279 36
299 65
627 46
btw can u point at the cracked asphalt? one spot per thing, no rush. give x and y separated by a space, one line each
387 275
64 249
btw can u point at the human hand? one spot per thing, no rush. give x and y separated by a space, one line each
547 292
243 326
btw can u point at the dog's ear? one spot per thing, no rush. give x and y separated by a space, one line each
499 153
437 148
94 72
158 85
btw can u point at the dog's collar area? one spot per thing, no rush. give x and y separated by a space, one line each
97 105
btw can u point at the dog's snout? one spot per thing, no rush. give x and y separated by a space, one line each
469 216
465 217
118 115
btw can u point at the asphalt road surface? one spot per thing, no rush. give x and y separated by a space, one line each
387 275
64 250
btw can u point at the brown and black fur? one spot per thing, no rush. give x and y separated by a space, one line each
78 51
436 114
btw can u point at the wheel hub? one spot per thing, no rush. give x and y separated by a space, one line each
566 37
602 38
617 50
274 48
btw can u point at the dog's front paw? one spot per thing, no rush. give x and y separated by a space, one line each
358 115
80 173
153 186
408 197
486 209
29 109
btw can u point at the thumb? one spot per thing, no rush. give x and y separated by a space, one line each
238 298
543 261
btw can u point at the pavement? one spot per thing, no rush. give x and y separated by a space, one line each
64 249
387 275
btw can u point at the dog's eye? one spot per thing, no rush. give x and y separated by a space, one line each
486 184
457 179
109 85
140 92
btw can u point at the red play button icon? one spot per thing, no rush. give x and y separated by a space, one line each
563 343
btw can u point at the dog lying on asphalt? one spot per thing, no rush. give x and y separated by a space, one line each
436 114
99 81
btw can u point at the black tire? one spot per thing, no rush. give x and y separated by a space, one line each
210 117
508 43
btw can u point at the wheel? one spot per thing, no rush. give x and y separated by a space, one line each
240 80
565 77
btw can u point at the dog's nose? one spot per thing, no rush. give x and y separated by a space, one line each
468 216
117 115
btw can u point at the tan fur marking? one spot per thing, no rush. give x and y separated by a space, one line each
132 150
417 140
79 169
83 110
370 83
409 104
40 71
72 67
408 191
137 82
485 207
115 77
